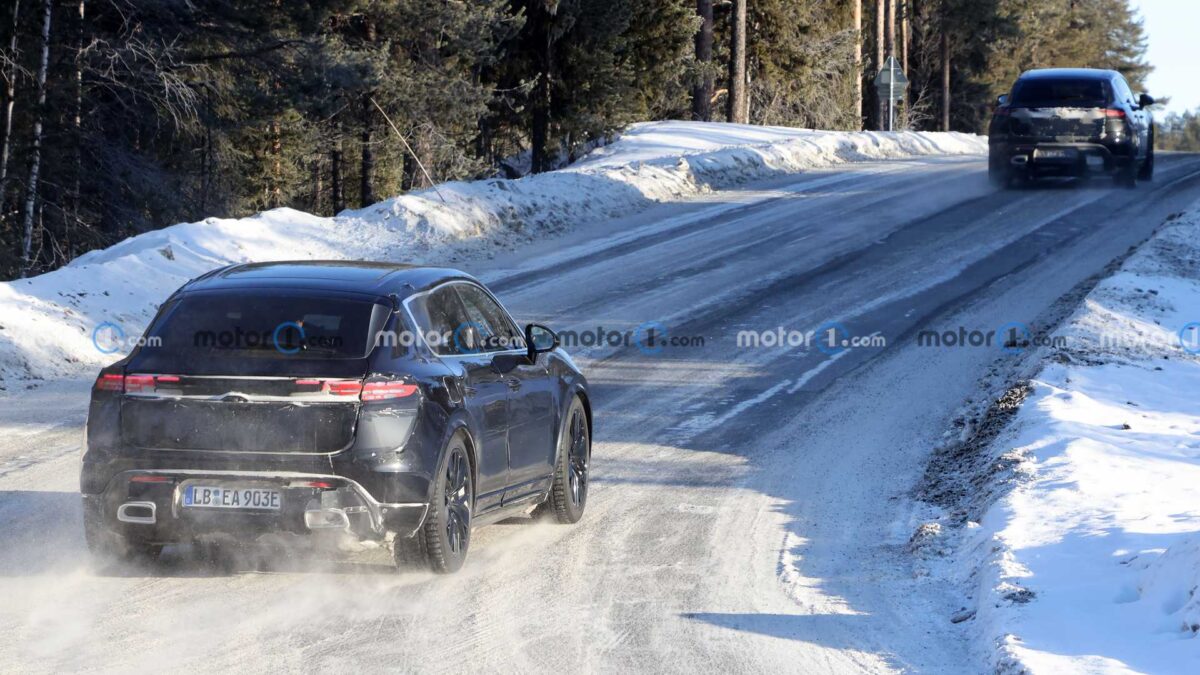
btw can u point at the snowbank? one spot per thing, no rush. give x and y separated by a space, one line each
1091 563
47 323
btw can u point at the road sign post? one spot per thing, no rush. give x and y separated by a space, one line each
891 83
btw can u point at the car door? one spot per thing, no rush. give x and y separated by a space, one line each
531 409
485 391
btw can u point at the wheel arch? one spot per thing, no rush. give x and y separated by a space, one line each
587 407
459 425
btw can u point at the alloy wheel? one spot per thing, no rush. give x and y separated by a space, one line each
458 502
578 458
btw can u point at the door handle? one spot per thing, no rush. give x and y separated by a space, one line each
513 383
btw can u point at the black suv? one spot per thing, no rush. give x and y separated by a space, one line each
381 401
1071 122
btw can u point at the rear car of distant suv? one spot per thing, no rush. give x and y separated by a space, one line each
1071 122
383 402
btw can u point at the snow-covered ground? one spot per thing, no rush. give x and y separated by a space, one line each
1083 550
48 323
770 540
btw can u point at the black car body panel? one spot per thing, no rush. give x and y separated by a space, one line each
1070 122
348 435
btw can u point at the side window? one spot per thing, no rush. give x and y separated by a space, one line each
496 331
1124 93
439 316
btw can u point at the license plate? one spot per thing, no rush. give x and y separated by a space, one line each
1095 162
220 497
1053 153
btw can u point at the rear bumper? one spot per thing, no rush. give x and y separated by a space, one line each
147 505
1062 159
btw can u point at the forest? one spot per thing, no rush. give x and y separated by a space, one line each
122 116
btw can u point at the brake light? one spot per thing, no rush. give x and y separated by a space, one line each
368 391
1114 113
343 387
133 384
136 384
378 391
319 484
110 382
1002 112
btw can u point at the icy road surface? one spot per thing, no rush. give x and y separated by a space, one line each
750 506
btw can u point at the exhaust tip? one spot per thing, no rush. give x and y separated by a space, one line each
1019 160
326 519
138 513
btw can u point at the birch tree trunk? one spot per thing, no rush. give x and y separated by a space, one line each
858 65
703 91
77 148
35 165
10 99
737 107
367 170
317 186
336 184
880 16
366 191
539 134
945 78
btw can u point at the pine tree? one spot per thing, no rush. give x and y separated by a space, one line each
801 64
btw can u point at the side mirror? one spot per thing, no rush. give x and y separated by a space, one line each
1145 101
539 340
1002 99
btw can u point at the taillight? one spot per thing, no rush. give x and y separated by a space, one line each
133 384
365 391
1002 112
110 382
136 384
378 391
1116 113
343 387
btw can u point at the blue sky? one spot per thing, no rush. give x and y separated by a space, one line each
1173 27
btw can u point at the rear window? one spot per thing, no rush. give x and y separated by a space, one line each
1061 93
268 327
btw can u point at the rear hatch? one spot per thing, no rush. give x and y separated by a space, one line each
232 372
1066 110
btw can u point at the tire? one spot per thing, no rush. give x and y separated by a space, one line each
107 546
998 175
1127 176
442 542
1146 173
568 494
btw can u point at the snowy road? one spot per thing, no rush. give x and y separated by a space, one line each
750 505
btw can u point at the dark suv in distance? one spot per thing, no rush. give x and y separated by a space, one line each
385 402
1071 122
